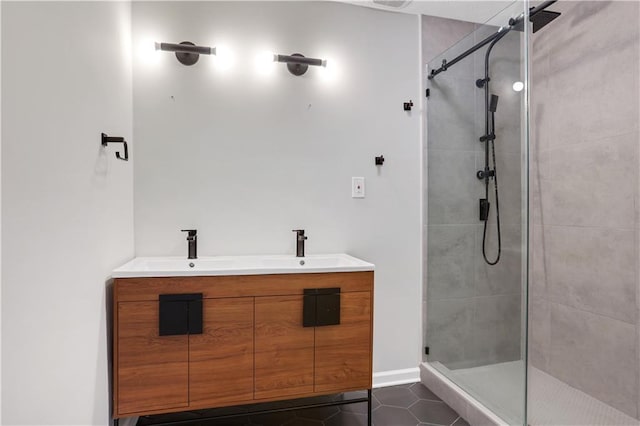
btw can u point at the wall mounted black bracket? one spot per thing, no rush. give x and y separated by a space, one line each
407 105
481 82
489 137
116 139
486 173
380 160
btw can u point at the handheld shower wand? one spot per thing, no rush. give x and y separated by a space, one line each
491 106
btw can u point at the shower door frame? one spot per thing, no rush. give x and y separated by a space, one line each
524 198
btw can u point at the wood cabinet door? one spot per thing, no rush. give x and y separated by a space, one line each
283 348
152 370
343 352
221 358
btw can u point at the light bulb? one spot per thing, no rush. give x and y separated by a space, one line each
224 59
264 62
518 86
328 71
148 52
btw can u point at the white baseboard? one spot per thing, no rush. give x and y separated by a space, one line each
396 377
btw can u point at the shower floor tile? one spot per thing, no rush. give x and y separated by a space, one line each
554 402
551 402
403 405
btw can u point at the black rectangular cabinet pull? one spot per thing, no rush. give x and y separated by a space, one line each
321 307
180 314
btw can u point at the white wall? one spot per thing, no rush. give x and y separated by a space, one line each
246 158
67 204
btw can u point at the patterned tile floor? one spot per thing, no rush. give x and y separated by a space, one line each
403 405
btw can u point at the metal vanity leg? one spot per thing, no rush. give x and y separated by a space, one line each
369 407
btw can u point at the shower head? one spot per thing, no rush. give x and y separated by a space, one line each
542 18
539 17
493 105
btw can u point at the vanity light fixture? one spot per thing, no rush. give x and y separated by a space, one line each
297 63
186 52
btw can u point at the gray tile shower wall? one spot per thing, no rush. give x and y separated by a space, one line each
584 200
448 324
472 309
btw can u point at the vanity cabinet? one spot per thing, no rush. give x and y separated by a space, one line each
253 339
284 356
221 358
152 371
156 372
342 352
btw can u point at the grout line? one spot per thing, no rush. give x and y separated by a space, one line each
475 297
476 223
589 312
615 228
466 151
588 141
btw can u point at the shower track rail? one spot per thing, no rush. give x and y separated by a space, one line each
513 23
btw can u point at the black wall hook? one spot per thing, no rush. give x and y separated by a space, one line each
380 160
407 105
116 139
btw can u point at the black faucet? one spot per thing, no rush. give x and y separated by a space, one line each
300 242
192 239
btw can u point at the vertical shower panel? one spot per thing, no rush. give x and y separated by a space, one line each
584 286
474 311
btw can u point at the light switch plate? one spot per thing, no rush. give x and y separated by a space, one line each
357 187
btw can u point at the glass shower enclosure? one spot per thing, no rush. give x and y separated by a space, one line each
475 155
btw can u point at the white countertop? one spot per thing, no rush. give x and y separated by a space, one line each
240 265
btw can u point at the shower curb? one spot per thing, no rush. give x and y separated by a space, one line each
467 406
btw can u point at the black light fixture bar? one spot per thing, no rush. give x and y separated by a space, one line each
298 64
292 59
186 52
186 48
514 23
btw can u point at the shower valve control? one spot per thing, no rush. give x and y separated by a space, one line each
486 173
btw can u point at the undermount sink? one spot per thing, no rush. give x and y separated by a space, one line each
239 265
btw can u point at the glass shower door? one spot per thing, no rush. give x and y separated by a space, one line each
476 239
